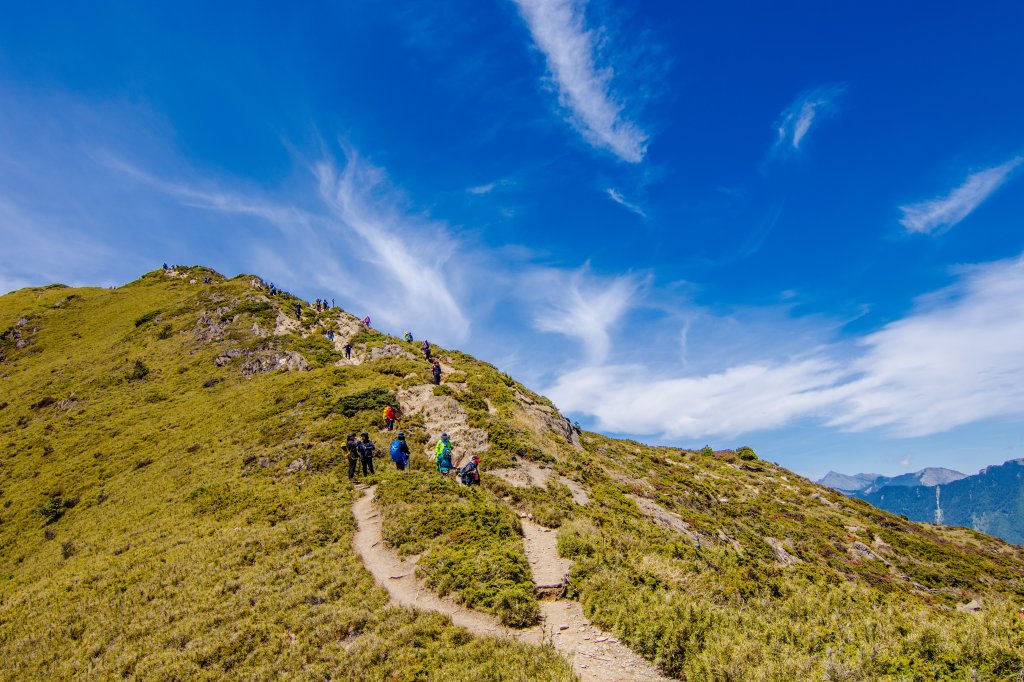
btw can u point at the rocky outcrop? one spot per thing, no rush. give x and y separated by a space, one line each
263 360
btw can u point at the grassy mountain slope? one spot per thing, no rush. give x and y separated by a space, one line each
172 504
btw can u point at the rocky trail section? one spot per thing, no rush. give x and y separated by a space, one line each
595 655
443 414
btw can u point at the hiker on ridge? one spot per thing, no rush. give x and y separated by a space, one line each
426 349
366 450
348 350
352 445
400 451
470 474
443 455
408 337
390 415
366 320
435 370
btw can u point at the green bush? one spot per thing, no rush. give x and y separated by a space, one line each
143 319
256 308
746 453
138 372
371 399
54 508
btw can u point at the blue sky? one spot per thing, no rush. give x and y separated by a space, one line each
791 225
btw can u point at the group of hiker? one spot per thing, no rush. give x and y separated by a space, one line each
320 305
362 451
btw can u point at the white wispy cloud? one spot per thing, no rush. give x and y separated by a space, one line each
954 360
581 305
483 189
410 252
637 399
945 212
796 120
359 242
585 90
617 197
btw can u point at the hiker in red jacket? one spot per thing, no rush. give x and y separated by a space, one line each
390 415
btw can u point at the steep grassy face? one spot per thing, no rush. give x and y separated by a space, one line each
718 566
173 505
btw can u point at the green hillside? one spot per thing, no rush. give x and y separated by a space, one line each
174 504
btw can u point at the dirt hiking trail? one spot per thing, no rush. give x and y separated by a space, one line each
595 655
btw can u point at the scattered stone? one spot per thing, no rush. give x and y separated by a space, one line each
781 555
972 606
296 466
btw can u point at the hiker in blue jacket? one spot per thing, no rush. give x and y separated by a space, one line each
400 451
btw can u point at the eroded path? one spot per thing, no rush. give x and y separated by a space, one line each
595 655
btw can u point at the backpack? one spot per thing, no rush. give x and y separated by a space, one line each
389 412
396 451
444 461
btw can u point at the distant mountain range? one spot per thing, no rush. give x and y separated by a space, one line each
991 501
860 485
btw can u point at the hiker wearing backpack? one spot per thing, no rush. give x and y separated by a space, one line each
408 337
366 451
435 370
366 320
352 445
390 415
470 474
443 455
426 349
400 451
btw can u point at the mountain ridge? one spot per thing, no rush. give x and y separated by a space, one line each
175 505
862 484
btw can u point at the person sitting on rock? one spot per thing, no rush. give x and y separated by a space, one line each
470 474
366 451
352 445
400 451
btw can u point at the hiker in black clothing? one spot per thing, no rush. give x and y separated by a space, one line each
298 310
426 349
435 370
352 445
330 335
348 350
165 266
366 448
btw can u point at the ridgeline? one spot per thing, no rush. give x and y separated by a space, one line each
174 504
